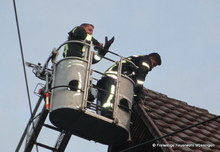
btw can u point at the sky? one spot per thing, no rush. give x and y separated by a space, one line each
185 33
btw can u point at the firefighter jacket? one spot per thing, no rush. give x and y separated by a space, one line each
135 67
76 49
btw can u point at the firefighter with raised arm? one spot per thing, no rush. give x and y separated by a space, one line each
84 33
107 84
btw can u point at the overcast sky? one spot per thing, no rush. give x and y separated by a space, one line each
185 33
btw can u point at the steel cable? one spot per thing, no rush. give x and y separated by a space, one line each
23 64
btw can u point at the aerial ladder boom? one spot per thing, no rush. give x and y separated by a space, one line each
68 85
37 120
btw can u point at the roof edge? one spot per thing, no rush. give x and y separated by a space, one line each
152 127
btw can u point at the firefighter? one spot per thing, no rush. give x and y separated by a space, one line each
137 71
84 33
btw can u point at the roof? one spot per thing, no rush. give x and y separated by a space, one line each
160 115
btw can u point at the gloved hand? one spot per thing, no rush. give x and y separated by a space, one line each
108 43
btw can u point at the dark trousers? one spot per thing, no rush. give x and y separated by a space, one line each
106 95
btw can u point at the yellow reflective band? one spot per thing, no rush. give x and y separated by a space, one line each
111 72
88 37
110 69
146 65
97 57
112 75
65 50
108 102
140 82
80 82
74 30
66 46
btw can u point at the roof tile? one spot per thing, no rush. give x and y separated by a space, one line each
170 115
217 136
183 136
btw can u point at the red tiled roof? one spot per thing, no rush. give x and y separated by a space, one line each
168 115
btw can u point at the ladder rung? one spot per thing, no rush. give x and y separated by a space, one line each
52 127
45 146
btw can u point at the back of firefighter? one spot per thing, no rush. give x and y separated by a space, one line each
107 84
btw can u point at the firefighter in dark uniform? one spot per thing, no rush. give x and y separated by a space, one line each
136 68
84 33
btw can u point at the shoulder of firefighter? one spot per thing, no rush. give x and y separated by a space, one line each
142 63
